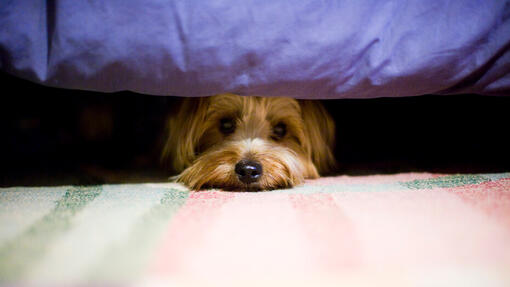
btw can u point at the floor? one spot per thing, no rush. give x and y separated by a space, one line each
404 229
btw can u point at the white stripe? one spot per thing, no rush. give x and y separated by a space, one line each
105 220
20 207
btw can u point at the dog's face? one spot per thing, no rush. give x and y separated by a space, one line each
248 143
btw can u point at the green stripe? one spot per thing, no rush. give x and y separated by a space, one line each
125 260
20 253
497 176
445 181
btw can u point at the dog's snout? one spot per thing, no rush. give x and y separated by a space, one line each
248 171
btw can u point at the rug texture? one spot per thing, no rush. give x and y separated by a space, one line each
413 229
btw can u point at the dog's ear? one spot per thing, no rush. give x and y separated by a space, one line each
183 131
320 135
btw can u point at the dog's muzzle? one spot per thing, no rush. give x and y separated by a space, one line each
248 171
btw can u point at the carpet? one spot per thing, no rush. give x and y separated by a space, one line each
410 229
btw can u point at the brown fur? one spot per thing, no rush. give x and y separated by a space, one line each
205 157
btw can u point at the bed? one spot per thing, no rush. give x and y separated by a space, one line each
309 49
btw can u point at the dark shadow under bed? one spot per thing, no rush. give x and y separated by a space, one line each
43 142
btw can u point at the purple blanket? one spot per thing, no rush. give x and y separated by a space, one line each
302 49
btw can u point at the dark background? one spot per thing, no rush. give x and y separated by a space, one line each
44 143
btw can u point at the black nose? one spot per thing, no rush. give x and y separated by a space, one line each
248 171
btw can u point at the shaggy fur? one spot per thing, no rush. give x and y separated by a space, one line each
205 155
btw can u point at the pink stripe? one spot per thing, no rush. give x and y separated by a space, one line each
186 230
331 234
492 197
423 229
253 235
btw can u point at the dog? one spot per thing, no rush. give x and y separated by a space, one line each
248 143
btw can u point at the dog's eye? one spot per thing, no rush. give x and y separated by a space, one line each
227 126
279 130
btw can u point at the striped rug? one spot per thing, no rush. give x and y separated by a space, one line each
413 229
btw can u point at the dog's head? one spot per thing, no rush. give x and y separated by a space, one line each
248 143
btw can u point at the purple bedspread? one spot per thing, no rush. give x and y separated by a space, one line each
302 49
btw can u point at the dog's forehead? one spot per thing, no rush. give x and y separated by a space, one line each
271 107
283 106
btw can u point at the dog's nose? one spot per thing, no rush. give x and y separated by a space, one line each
248 171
